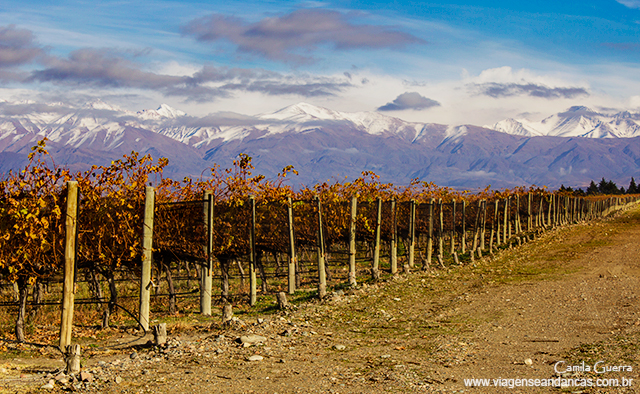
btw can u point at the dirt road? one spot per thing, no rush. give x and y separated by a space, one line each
567 301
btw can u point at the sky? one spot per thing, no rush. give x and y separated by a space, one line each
452 62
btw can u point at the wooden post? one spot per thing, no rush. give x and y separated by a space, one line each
292 249
375 269
412 232
147 245
441 230
476 227
484 222
509 214
72 358
463 241
322 275
518 223
505 218
430 239
453 227
394 239
160 334
352 242
493 225
207 270
68 293
550 221
529 221
253 293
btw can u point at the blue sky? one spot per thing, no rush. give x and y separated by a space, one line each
449 62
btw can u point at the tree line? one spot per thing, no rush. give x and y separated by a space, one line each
607 187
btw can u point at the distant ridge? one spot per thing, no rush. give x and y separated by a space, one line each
571 147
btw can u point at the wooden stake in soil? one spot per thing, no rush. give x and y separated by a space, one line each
281 298
430 239
207 271
68 293
464 227
394 239
441 230
476 227
412 233
352 242
322 276
253 294
72 358
484 222
493 224
529 221
375 269
453 227
506 218
292 249
227 313
160 334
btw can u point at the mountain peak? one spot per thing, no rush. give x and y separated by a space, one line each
303 110
99 104
164 111
169 112
578 110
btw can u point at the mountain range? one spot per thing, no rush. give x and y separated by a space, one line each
570 148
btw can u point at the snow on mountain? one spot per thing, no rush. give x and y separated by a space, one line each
578 121
303 116
163 112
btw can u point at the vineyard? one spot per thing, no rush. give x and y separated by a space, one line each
131 234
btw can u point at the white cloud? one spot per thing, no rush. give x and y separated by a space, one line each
630 3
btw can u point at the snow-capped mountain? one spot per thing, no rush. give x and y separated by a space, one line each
571 147
577 121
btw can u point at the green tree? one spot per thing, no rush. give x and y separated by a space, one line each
633 188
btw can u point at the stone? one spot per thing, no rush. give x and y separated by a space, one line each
528 362
255 357
49 386
86 376
339 347
133 355
251 339
118 380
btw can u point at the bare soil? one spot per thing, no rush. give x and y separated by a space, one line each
570 296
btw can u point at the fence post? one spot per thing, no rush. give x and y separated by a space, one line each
352 242
518 223
68 293
322 275
453 227
430 239
508 202
529 221
292 249
441 230
207 270
484 222
253 296
394 239
412 233
147 245
463 241
505 219
375 269
493 225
